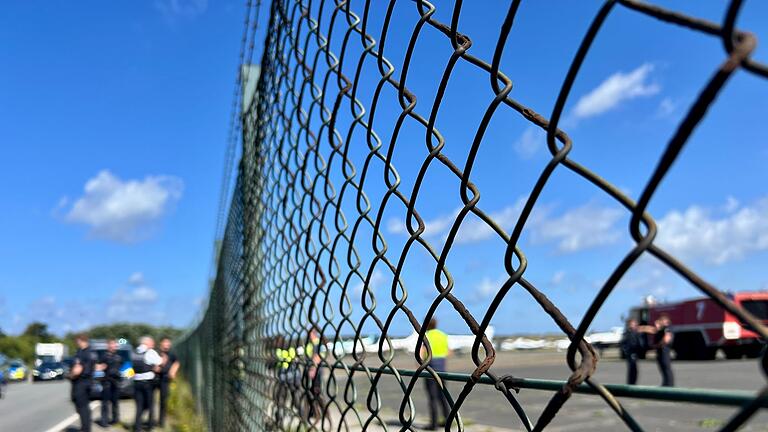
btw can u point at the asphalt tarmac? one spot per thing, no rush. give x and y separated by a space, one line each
41 406
486 406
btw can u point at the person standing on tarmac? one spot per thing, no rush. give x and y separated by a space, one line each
438 344
146 363
110 363
168 369
312 351
631 344
662 341
81 375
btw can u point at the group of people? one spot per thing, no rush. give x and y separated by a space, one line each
292 380
635 344
153 371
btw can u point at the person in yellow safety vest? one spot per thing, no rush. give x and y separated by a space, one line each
312 352
438 344
286 376
286 357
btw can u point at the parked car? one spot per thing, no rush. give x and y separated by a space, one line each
17 371
47 371
126 369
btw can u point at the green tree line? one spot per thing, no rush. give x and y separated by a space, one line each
22 346
132 332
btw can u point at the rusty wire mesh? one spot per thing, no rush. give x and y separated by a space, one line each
291 254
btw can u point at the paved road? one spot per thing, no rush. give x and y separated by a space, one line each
487 406
44 407
35 407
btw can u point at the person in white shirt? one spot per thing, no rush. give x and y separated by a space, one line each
146 363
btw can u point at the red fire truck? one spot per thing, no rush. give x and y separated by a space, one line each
701 327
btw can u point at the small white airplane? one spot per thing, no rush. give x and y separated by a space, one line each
455 342
599 340
465 342
347 346
606 339
406 343
522 343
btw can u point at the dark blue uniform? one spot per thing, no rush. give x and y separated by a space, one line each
110 392
3 382
163 383
631 345
664 358
81 386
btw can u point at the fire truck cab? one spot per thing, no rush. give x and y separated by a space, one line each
701 327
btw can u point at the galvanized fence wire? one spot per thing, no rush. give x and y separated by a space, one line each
290 256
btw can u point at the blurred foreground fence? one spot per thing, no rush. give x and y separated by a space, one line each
304 239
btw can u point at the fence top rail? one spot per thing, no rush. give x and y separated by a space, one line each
658 393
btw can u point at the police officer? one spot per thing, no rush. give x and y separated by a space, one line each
438 344
81 375
3 383
662 341
631 344
146 362
168 370
110 363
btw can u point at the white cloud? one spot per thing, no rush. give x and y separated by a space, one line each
487 288
60 315
61 205
574 230
432 227
471 230
617 88
173 9
530 142
474 229
136 278
666 107
144 294
558 277
136 303
124 211
731 204
580 228
648 276
713 237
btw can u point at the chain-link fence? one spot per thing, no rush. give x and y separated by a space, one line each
281 344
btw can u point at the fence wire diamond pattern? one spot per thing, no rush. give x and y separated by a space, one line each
304 238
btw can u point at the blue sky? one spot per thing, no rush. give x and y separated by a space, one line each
135 98
116 117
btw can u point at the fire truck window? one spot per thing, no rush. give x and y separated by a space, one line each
758 308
